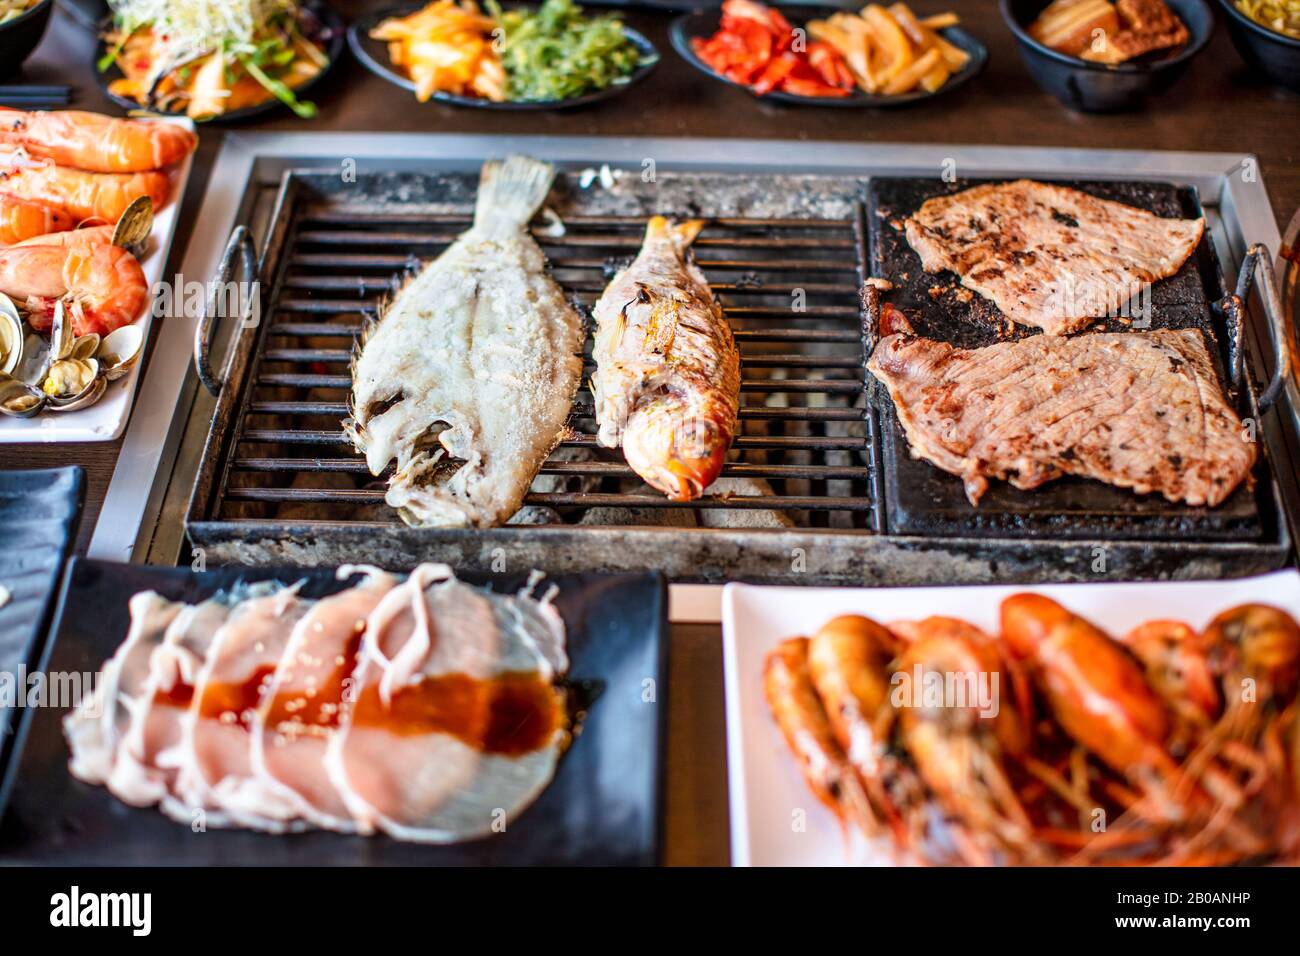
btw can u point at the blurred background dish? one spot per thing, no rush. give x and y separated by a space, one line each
22 25
272 53
1091 86
496 86
695 37
1274 53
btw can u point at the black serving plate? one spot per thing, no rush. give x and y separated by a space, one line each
703 24
603 807
39 514
373 54
334 40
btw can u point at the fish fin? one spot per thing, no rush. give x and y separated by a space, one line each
510 192
681 234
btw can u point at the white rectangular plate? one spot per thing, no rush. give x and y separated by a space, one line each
107 418
769 799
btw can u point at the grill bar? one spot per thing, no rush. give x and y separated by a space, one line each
789 286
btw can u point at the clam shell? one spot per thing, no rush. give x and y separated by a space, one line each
134 227
36 360
120 350
19 400
11 336
62 338
92 393
70 379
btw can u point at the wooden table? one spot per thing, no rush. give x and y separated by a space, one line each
1219 106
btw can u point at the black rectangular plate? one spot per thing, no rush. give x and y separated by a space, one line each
602 808
921 499
39 514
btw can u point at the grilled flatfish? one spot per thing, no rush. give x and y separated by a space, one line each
468 377
1049 257
667 380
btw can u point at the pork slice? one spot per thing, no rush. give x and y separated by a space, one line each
96 727
301 709
1136 410
148 760
1048 256
218 770
457 725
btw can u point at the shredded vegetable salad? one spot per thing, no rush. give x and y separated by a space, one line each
551 53
558 53
207 57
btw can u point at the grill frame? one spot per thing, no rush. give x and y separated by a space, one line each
801 555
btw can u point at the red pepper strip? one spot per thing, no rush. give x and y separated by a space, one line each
776 71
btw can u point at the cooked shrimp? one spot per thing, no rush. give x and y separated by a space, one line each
102 286
97 143
1176 668
848 664
82 195
25 218
79 238
960 748
808 733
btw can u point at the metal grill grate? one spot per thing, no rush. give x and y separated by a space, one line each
789 286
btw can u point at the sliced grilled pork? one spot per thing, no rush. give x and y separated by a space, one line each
1048 256
301 708
1137 410
457 725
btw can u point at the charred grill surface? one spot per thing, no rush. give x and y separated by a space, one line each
921 499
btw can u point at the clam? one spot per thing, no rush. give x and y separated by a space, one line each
73 383
18 399
134 227
62 337
35 360
84 346
11 336
119 351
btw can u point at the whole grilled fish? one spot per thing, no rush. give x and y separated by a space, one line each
469 376
667 380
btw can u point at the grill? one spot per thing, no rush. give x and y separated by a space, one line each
806 498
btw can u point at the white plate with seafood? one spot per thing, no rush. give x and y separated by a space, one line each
775 818
106 419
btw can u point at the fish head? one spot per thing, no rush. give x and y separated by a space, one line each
676 447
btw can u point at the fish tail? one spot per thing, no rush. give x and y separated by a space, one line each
510 193
680 234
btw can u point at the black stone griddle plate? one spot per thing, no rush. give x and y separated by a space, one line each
39 514
921 499
603 807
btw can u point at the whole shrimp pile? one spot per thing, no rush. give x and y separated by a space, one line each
72 169
1051 742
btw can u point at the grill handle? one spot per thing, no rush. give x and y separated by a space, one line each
240 251
1258 265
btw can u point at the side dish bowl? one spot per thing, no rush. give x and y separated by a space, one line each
1102 88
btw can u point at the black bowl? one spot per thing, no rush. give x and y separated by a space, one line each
704 23
20 36
1096 87
329 19
374 56
1274 54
